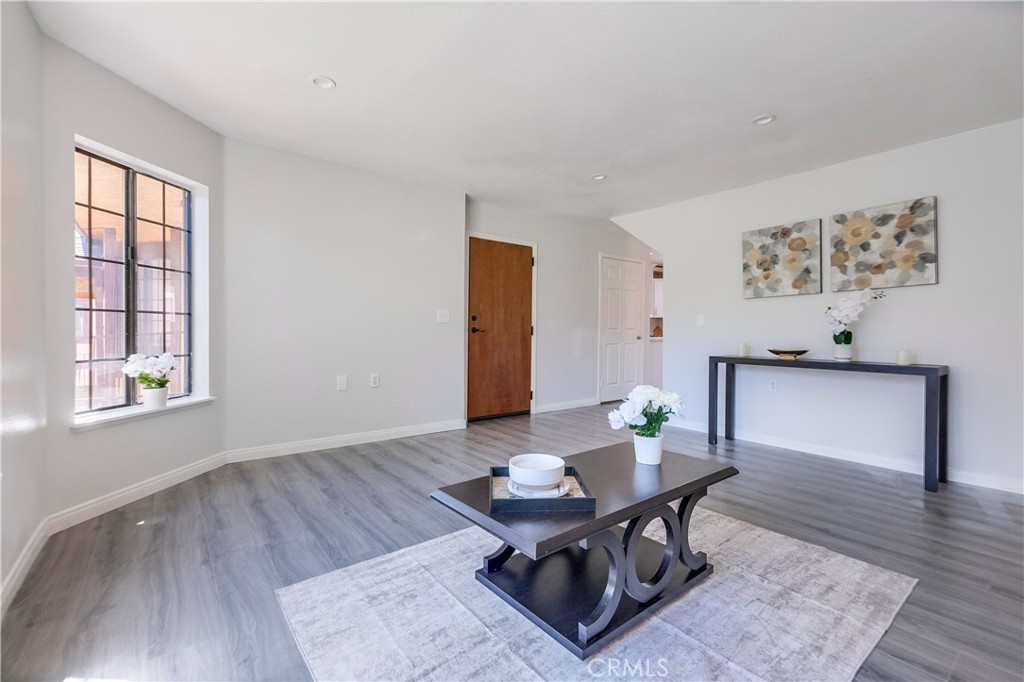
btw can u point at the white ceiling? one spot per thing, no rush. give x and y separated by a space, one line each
520 104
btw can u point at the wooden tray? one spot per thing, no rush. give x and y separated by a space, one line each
578 499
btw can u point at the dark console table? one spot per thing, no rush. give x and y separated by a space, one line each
577 575
936 395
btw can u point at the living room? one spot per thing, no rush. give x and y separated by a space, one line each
330 230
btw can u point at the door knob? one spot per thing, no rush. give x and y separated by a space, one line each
476 329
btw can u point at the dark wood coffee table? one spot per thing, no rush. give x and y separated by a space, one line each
582 597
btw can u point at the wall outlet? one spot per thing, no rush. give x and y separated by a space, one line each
444 316
700 319
342 382
374 380
773 385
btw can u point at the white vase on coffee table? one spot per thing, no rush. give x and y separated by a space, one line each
647 449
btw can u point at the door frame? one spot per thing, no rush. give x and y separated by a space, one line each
643 262
533 316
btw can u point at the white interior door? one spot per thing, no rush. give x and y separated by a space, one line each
622 318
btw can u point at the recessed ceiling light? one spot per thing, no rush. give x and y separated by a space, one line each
323 82
598 176
763 120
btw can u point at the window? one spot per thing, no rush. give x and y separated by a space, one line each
133 279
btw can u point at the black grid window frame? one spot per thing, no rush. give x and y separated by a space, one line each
131 265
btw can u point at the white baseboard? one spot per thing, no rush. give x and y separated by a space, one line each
568 405
16 576
101 505
1002 483
54 523
295 447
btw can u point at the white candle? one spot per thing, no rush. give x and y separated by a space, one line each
742 349
903 357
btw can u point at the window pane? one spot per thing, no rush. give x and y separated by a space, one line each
107 384
177 334
177 299
82 334
149 198
107 236
179 377
107 285
176 240
81 231
107 187
108 334
82 374
81 178
149 334
174 208
149 243
150 294
82 296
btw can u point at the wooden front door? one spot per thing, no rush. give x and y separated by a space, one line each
500 328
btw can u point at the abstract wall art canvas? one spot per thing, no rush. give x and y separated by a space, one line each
783 260
885 246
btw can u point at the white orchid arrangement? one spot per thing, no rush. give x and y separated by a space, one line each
645 409
846 311
150 371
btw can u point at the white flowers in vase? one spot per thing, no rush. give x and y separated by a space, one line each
846 311
150 371
645 409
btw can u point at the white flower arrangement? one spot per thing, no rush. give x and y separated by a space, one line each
847 311
645 409
150 371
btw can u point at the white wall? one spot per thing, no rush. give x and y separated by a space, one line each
333 270
85 99
971 320
22 402
567 292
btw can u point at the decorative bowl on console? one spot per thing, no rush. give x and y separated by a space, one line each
787 354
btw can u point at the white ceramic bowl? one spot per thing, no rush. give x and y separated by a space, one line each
537 471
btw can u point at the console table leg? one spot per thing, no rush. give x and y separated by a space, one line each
712 402
943 425
730 401
694 561
932 431
494 562
602 614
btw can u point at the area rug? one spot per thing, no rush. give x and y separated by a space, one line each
775 608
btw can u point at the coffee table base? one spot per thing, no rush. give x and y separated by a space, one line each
570 593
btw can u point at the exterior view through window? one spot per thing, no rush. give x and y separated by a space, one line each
133 238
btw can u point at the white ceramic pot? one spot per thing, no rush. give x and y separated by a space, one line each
648 450
842 352
154 398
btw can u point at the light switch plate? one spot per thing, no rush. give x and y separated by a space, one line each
444 316
342 382
700 319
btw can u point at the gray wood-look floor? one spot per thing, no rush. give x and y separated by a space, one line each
189 593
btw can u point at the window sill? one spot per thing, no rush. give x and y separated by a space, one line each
87 422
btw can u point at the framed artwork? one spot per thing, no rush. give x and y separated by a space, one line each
885 246
784 260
